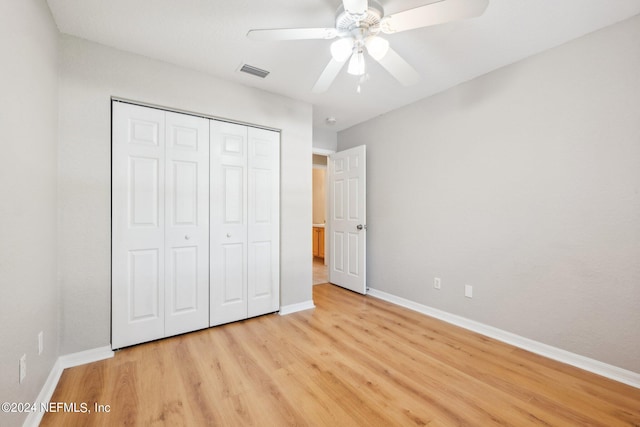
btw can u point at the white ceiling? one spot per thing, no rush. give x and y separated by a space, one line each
210 36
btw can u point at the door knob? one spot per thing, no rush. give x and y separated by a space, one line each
187 237
361 227
228 234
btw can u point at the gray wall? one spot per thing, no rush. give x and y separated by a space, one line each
524 183
324 139
29 293
90 75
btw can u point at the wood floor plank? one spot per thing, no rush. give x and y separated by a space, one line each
474 368
352 361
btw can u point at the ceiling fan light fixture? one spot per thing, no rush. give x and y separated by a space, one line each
377 47
356 64
341 49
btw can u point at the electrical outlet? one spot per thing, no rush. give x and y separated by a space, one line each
40 343
436 282
23 367
468 291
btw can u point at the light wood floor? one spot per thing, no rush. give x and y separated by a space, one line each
320 271
353 360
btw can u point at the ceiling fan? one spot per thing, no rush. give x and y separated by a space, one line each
358 27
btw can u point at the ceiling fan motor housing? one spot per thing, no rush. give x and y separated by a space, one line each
359 26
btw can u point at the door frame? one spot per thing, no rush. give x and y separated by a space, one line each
324 152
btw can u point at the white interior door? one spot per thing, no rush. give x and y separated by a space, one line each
138 221
263 222
228 250
187 223
347 219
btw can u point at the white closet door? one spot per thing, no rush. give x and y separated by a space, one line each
228 237
137 224
187 223
264 218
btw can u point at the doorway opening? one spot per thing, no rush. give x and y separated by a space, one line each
319 247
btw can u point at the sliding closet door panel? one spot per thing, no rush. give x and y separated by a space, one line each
138 222
228 234
264 218
187 223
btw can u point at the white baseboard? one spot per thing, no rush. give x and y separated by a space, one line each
609 371
292 308
62 363
87 356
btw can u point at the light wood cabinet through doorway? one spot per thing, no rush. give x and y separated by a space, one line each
318 242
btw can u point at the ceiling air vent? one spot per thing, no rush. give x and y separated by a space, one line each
255 71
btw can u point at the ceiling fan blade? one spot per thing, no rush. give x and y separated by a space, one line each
328 75
356 7
399 68
433 14
292 34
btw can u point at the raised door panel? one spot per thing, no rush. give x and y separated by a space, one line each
337 213
228 241
230 293
260 270
144 192
353 207
187 223
138 222
353 251
182 280
338 200
232 197
263 221
144 285
142 131
337 251
184 193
